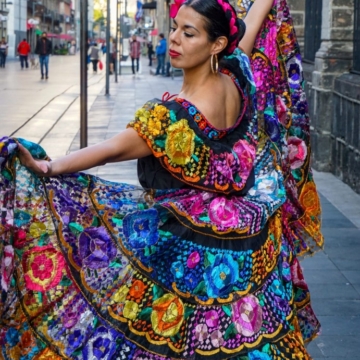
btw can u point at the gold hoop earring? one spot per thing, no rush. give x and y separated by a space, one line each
214 67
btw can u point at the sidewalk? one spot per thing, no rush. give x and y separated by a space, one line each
332 275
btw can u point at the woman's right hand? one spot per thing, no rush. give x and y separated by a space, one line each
39 167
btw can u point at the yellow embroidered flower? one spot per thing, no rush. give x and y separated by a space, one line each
160 112
142 114
120 295
309 199
167 315
154 126
130 310
180 142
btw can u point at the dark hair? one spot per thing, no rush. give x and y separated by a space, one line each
24 39
217 21
161 35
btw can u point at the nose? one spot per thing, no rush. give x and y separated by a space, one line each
173 37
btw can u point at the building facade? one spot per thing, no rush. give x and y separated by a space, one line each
28 19
331 53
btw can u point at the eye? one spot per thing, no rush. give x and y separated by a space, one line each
188 35
172 29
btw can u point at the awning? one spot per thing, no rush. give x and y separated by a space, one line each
154 32
149 5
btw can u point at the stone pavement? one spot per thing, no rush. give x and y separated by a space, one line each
332 275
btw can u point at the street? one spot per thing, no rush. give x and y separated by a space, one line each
48 112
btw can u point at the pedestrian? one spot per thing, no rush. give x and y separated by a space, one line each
150 52
94 53
160 54
113 57
134 54
23 50
200 261
3 52
44 49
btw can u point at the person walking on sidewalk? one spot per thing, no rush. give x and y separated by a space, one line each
23 50
3 52
201 260
44 49
135 47
160 54
150 52
94 53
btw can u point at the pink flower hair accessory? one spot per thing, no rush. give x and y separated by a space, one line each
174 8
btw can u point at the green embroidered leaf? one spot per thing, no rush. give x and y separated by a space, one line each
6 174
195 157
75 228
145 314
95 322
84 180
209 259
175 338
158 292
141 206
198 141
65 281
266 348
76 353
95 222
117 221
241 262
269 111
204 218
115 264
188 312
227 309
160 141
230 332
200 289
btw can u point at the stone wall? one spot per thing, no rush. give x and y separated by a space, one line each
297 9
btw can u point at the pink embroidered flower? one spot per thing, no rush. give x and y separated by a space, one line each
197 206
201 332
223 212
193 260
247 315
258 77
7 267
281 109
297 152
216 338
223 165
212 319
271 46
246 154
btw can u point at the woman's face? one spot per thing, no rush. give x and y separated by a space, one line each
189 43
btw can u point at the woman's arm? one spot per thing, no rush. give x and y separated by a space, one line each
127 145
254 20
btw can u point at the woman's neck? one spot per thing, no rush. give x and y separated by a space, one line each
195 80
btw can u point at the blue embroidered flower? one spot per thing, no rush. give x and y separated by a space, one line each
75 340
141 229
100 346
258 355
12 337
221 275
277 288
192 110
177 269
191 281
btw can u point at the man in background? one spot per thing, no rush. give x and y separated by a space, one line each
3 52
43 49
23 50
134 54
160 54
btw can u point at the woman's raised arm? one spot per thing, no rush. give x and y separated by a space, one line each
254 20
127 145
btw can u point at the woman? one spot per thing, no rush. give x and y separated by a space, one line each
94 52
202 263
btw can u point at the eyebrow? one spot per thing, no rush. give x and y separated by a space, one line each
187 26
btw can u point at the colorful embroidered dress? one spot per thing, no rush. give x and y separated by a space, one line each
198 263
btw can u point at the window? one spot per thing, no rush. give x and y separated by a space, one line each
313 20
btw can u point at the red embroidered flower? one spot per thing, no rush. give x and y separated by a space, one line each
43 267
